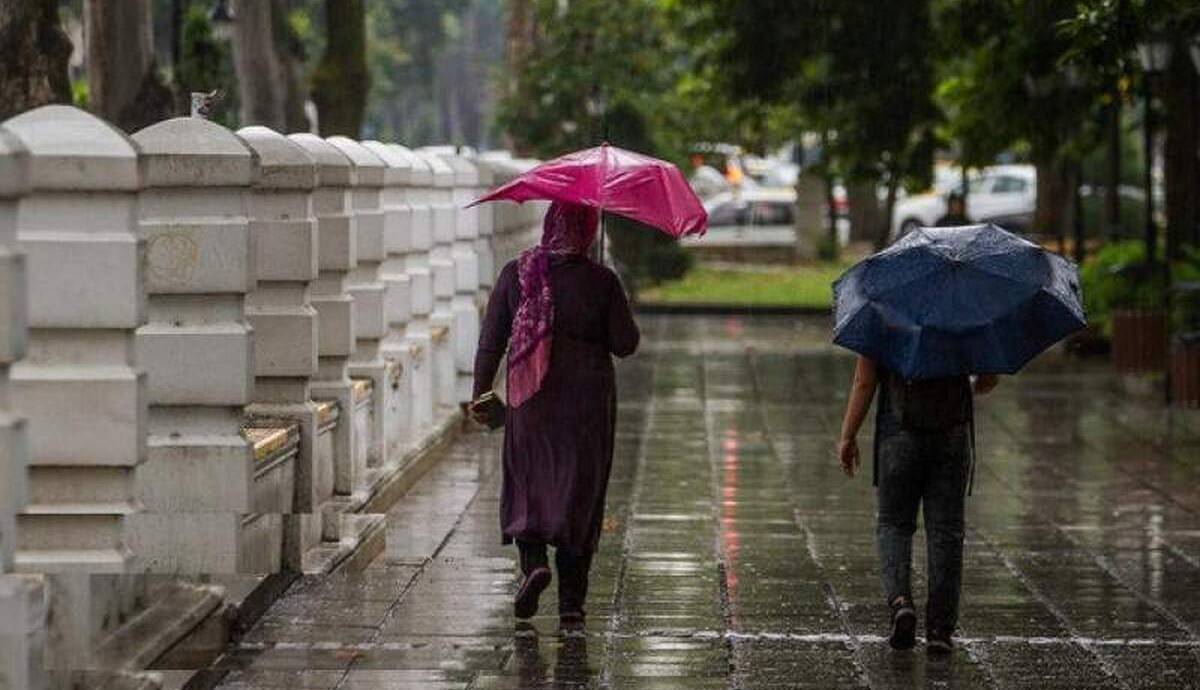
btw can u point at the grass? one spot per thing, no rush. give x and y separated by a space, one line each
802 286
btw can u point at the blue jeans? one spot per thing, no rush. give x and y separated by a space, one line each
929 469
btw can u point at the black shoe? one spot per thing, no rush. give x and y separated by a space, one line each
525 605
904 624
938 643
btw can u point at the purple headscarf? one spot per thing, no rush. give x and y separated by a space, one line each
567 229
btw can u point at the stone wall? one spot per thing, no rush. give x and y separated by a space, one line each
219 354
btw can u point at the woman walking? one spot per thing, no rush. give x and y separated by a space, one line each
561 317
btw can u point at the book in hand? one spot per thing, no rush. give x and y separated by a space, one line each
488 410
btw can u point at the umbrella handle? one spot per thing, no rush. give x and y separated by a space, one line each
602 234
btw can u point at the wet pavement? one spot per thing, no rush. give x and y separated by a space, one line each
736 555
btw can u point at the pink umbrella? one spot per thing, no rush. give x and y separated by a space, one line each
645 189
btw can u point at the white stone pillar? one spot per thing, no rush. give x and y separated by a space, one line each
22 605
418 332
370 303
396 351
441 263
465 305
284 232
336 257
486 214
200 484
14 455
77 387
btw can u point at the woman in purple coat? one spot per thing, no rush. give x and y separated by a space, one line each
561 317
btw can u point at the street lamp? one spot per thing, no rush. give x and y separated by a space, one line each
1153 55
221 17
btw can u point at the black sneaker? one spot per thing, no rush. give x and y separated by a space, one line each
938 642
525 605
904 624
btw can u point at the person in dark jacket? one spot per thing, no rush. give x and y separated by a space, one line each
561 317
923 456
956 212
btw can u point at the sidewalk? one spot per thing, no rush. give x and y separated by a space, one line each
735 554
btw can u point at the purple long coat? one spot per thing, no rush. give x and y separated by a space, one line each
558 446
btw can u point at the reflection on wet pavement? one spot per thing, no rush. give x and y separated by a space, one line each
735 554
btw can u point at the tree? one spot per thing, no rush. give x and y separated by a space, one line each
341 80
859 74
268 59
588 73
34 52
124 86
1103 34
426 58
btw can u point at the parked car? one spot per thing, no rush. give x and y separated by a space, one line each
756 216
752 216
1002 194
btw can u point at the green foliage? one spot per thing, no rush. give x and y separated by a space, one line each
1118 277
591 59
79 93
598 74
857 73
804 286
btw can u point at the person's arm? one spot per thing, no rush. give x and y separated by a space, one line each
623 333
984 383
494 333
861 392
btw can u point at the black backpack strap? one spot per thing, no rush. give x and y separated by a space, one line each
971 468
875 442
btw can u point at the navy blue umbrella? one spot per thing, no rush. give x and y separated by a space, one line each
950 301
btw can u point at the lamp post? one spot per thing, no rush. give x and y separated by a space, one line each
1153 54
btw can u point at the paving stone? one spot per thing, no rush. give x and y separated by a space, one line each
735 553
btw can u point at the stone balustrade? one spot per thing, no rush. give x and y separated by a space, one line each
396 352
283 231
22 600
441 263
418 331
218 352
370 308
465 305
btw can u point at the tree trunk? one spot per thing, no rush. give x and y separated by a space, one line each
264 56
1112 185
1181 167
864 210
291 55
34 52
124 86
521 29
883 235
341 80
1051 214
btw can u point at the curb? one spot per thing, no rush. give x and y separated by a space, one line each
705 308
385 494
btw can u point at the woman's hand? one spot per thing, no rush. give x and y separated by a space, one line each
848 455
476 414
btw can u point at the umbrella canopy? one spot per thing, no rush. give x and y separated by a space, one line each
952 301
645 189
